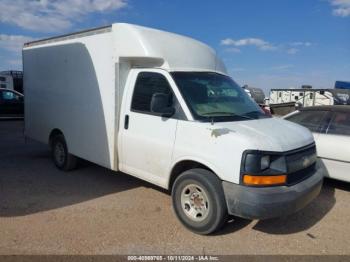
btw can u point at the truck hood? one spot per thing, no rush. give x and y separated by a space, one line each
270 134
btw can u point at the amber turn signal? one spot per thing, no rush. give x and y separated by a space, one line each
264 180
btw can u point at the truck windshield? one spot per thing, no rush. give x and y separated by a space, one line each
215 97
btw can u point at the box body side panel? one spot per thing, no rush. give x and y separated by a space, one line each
70 86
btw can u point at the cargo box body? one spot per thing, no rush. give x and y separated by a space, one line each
75 83
70 86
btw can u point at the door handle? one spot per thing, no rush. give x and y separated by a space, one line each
126 122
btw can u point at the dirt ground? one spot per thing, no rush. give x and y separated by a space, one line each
95 211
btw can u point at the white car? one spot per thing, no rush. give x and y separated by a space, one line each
330 126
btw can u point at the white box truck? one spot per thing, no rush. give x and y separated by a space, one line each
161 107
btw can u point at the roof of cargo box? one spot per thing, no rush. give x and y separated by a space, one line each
147 47
177 52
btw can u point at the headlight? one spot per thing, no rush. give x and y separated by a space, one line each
263 168
264 162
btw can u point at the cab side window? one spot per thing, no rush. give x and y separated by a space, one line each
340 124
313 120
147 84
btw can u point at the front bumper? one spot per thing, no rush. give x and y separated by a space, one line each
269 202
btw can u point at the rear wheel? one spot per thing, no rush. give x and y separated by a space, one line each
199 201
60 155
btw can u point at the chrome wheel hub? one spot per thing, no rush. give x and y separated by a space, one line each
194 202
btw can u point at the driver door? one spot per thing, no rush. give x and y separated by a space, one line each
146 139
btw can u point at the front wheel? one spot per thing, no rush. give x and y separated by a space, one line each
199 201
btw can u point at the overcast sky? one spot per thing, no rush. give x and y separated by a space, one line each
267 44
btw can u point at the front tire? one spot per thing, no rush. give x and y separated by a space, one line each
60 155
199 201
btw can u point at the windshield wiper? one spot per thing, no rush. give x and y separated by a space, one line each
255 114
226 114
213 113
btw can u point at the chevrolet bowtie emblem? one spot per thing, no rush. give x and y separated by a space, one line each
306 161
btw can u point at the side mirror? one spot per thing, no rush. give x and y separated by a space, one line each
160 104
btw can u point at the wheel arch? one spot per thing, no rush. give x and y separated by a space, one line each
186 164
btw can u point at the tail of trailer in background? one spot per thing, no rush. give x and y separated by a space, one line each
12 80
6 82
